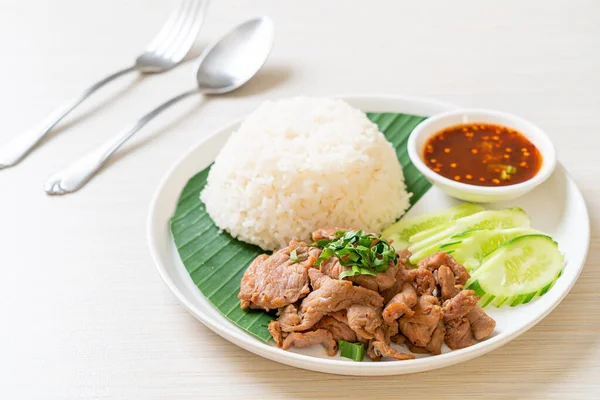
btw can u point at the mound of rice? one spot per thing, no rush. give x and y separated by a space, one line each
300 164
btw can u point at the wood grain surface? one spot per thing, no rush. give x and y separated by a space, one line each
84 315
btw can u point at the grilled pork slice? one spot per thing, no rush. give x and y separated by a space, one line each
379 349
272 282
307 339
364 320
331 267
459 334
458 328
380 283
326 233
435 261
379 346
482 324
419 327
329 295
423 280
275 331
339 330
447 282
460 305
401 304
437 339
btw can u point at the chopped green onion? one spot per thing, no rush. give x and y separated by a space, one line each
505 170
366 253
353 351
294 257
355 270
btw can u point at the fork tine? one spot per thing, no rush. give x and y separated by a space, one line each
176 29
187 36
167 27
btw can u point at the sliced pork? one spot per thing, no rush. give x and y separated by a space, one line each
339 330
435 261
460 305
326 233
423 280
272 282
482 324
437 339
332 267
401 304
275 331
447 282
383 281
458 328
380 283
288 316
306 339
379 349
458 334
364 319
379 346
419 327
330 295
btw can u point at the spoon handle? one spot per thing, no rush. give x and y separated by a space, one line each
15 150
76 175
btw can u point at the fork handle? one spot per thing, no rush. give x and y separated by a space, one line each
76 175
15 150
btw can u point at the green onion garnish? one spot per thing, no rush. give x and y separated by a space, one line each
294 257
353 351
366 253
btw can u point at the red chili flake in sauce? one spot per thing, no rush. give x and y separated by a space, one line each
485 153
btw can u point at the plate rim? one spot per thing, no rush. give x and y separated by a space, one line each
333 365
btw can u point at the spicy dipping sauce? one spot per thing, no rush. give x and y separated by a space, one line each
482 154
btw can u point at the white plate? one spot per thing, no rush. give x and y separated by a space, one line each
556 207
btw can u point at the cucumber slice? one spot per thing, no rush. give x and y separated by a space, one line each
520 270
491 219
417 237
403 230
470 247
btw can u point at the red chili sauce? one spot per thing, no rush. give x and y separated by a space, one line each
482 154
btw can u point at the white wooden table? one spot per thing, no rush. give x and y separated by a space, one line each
84 314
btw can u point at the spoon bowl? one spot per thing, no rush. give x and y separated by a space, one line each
237 57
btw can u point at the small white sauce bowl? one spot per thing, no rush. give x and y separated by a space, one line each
481 194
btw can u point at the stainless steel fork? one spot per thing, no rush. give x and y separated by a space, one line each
165 51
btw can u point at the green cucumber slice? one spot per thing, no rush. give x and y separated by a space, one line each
403 230
490 219
520 270
417 237
470 247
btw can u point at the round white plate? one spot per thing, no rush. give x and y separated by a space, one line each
556 207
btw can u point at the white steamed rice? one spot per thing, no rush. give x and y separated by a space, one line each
300 164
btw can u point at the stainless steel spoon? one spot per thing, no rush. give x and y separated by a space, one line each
165 51
222 68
